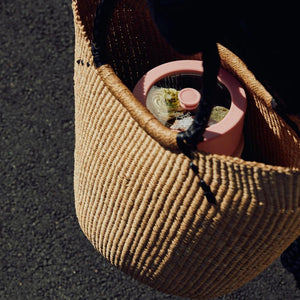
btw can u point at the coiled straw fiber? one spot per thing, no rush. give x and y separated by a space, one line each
137 199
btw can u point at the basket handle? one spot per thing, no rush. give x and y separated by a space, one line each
162 15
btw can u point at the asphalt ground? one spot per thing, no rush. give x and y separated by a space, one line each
43 252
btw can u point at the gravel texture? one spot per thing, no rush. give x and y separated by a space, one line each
43 252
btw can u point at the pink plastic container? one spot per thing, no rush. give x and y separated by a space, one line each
224 137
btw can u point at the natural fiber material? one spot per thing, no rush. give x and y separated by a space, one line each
137 199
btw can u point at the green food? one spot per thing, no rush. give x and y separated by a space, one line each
218 113
171 98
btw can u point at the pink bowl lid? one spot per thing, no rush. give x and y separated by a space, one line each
189 98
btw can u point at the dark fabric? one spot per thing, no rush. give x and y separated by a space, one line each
263 37
186 24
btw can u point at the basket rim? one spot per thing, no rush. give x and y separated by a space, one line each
122 93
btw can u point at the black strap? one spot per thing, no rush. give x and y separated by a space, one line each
188 140
101 26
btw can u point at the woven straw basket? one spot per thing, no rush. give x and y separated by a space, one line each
137 199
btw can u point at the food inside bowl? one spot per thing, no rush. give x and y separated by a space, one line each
166 105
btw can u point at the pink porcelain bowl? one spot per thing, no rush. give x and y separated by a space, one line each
224 137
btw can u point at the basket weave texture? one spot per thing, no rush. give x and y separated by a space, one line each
136 198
